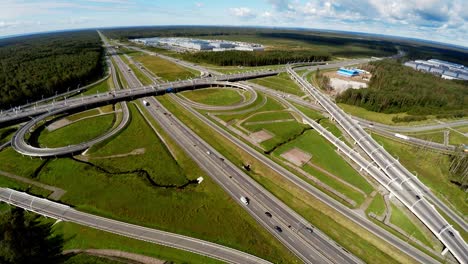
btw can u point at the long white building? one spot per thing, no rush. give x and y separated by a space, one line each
200 44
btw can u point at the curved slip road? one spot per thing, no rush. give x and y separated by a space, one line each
65 213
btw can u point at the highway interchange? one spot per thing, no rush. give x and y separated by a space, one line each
311 247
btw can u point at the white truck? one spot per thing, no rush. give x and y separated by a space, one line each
401 136
244 200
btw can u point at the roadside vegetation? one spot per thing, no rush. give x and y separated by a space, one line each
395 88
43 64
165 69
215 96
280 82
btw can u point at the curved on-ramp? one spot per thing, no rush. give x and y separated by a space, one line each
66 213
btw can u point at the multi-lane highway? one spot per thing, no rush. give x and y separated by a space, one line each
410 191
65 213
290 228
350 214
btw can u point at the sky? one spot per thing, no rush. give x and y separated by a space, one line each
437 20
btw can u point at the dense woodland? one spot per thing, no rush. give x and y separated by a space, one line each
395 88
40 65
256 58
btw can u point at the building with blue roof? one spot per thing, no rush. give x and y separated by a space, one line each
348 72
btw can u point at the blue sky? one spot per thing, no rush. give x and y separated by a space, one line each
437 20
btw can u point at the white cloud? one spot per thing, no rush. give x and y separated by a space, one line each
199 4
243 12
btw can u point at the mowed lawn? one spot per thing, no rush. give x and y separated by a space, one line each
82 237
165 69
377 206
282 132
324 155
204 211
400 219
280 82
214 96
77 132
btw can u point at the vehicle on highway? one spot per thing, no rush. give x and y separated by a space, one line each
244 200
268 214
146 103
310 230
277 228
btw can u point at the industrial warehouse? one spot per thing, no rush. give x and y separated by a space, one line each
184 44
444 69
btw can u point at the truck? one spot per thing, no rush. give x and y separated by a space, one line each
244 200
401 136
145 103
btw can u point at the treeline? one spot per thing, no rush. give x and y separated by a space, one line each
40 65
395 88
253 58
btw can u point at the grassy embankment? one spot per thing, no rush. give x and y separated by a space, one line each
377 206
75 133
165 69
281 82
400 219
214 96
365 245
201 211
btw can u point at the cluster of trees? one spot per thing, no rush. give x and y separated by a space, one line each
458 170
24 239
253 58
40 65
395 88
323 81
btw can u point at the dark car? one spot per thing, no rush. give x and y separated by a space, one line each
268 214
277 228
310 230
451 233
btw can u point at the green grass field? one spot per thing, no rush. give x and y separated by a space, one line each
438 136
6 133
165 69
145 80
80 115
270 105
98 88
324 155
214 96
21 186
365 245
282 132
269 116
77 132
377 206
400 219
81 237
281 82
202 211
380 117
432 169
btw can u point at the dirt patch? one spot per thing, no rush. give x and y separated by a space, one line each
58 124
261 136
297 156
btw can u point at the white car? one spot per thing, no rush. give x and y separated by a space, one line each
244 200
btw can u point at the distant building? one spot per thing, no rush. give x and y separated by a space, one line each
444 69
199 44
348 72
